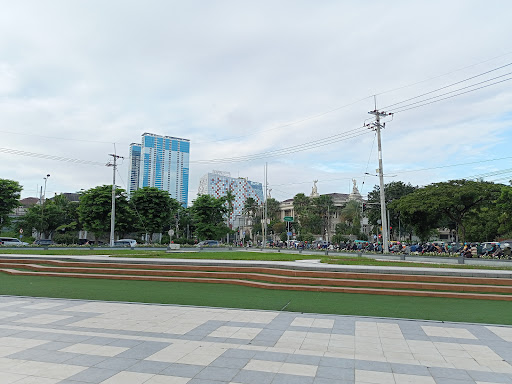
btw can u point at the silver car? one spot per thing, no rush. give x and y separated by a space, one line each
12 242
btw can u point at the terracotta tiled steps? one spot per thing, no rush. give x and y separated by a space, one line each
483 288
271 271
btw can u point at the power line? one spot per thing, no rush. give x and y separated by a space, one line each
457 90
289 150
451 85
444 74
449 97
452 165
50 157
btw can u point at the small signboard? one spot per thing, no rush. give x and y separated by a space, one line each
288 218
288 233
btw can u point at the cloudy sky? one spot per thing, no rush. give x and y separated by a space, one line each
289 83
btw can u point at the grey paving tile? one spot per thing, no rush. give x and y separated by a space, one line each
270 356
124 343
93 375
117 363
70 382
239 353
335 373
444 380
69 338
86 360
183 370
322 380
253 377
292 379
217 373
340 363
408 369
39 335
303 359
54 345
9 332
202 381
490 377
231 362
146 366
449 373
100 340
143 350
42 356
263 342
373 366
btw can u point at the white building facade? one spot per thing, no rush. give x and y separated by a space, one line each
217 184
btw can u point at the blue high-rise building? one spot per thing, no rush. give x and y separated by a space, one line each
161 162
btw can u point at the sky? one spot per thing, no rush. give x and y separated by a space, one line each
288 83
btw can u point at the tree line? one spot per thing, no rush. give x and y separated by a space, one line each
473 210
148 211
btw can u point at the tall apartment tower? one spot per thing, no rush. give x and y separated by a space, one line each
161 162
218 183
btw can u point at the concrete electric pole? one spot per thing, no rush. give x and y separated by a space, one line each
377 126
113 212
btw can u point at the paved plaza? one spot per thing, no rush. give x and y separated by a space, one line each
46 341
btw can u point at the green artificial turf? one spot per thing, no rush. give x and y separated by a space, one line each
230 296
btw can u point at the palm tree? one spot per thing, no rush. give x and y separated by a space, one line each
351 213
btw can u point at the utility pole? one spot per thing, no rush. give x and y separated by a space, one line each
265 209
377 126
113 212
43 198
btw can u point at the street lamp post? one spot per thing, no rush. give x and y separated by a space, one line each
42 204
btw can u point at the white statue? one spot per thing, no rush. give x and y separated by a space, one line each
355 191
314 190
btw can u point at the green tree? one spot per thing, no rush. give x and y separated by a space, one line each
273 211
456 200
55 215
351 216
9 199
250 207
323 208
393 191
154 210
208 215
279 227
95 209
504 205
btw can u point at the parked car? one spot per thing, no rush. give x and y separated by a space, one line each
44 242
12 242
130 243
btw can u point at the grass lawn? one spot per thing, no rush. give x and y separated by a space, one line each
220 295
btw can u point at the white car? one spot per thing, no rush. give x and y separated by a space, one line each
125 243
12 242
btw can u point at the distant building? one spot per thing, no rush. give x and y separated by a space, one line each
161 162
339 201
25 204
217 184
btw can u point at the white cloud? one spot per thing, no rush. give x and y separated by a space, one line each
95 73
